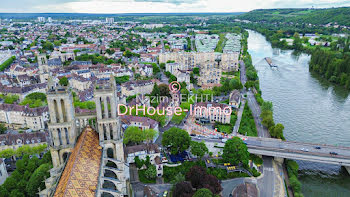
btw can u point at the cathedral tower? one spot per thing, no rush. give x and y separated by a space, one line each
62 122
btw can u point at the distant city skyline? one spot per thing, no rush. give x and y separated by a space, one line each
158 6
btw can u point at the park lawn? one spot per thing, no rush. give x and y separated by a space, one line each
170 172
247 126
143 178
225 128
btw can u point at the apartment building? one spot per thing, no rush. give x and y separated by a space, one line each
18 116
137 87
212 112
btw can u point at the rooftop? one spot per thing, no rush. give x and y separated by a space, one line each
80 176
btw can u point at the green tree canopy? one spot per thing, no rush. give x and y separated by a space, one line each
37 179
133 135
176 139
63 81
198 148
204 192
235 152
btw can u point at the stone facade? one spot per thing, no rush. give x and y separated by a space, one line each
3 171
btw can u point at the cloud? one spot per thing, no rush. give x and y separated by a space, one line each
176 2
158 6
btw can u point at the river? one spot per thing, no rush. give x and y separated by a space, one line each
311 109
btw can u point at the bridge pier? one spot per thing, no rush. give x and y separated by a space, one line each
279 160
347 168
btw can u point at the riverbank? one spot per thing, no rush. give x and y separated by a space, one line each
311 110
263 114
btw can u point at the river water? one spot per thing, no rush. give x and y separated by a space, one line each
311 109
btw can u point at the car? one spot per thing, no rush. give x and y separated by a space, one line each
333 153
165 194
317 147
192 134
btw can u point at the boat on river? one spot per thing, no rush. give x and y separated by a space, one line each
269 61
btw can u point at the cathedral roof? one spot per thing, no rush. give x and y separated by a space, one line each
80 175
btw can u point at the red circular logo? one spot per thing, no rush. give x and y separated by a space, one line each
174 87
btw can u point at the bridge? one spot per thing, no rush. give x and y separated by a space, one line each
295 150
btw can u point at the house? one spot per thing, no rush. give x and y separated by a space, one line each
141 122
15 141
212 112
235 99
137 87
142 151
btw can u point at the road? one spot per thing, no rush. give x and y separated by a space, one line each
267 183
266 186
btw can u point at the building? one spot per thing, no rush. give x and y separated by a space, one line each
131 88
18 116
188 60
142 151
41 19
14 141
212 112
3 171
235 99
141 122
79 153
110 20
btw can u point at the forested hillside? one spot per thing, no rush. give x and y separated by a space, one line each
313 16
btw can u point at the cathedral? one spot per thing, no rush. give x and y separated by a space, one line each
85 147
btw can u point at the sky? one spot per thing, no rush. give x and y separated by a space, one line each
157 6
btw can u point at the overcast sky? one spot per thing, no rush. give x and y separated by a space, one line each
157 6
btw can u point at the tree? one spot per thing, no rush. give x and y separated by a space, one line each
235 84
204 192
138 162
267 119
63 81
7 153
10 183
36 181
151 172
3 129
133 135
178 178
297 43
150 134
267 106
200 179
177 140
277 131
196 70
199 149
16 193
183 189
48 46
3 191
197 176
164 90
156 69
294 182
162 65
155 91
235 152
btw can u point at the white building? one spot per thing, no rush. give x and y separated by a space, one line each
110 20
3 171
41 19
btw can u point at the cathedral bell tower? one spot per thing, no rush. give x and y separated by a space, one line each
62 122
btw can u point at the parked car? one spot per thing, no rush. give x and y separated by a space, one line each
333 153
317 147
